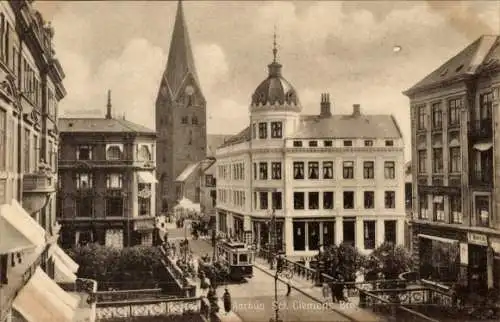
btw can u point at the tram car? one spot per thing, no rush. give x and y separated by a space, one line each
238 257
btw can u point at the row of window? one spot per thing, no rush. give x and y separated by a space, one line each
310 235
454 108
313 200
481 211
113 152
261 129
455 160
346 143
85 181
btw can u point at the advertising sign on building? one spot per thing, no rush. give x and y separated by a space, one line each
477 239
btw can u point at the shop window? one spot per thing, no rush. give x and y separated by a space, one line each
299 236
390 231
328 233
313 200
313 231
369 234
328 200
298 200
348 199
349 231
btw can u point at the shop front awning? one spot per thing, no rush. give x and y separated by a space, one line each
65 266
18 230
146 177
483 146
42 300
436 238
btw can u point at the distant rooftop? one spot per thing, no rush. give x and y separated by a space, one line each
107 125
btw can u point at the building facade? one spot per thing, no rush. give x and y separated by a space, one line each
328 178
31 86
454 119
180 117
107 181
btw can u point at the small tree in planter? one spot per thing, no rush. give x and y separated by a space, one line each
344 259
390 260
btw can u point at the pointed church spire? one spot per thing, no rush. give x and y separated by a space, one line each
108 106
275 49
180 57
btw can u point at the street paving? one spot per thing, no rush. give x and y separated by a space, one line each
254 300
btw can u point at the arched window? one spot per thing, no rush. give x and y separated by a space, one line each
113 152
144 153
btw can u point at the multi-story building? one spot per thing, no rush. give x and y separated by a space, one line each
31 86
180 118
328 178
107 181
455 144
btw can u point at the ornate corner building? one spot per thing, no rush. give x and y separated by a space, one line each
180 120
106 181
31 262
455 136
328 178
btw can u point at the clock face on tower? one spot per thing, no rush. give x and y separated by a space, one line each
189 90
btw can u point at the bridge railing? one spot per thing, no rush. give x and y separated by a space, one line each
125 310
388 307
127 295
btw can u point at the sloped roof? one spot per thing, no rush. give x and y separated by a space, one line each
243 136
348 126
214 141
180 57
188 171
101 125
467 62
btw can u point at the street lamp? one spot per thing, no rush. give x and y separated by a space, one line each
274 250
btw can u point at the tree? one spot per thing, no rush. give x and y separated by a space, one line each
389 259
344 259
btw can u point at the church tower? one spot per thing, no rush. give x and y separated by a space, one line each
180 115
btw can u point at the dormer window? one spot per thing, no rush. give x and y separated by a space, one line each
368 142
276 130
328 143
114 152
347 143
297 144
389 143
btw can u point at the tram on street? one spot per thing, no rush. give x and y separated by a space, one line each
237 257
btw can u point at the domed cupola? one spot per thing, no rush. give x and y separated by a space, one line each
275 92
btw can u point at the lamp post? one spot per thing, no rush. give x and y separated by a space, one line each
274 252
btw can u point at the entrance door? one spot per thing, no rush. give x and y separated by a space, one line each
478 274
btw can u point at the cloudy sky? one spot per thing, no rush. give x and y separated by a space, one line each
344 48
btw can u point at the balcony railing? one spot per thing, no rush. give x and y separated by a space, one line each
481 128
481 178
104 163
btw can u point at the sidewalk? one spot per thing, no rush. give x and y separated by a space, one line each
349 310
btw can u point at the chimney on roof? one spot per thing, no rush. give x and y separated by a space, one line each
325 105
108 106
356 110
